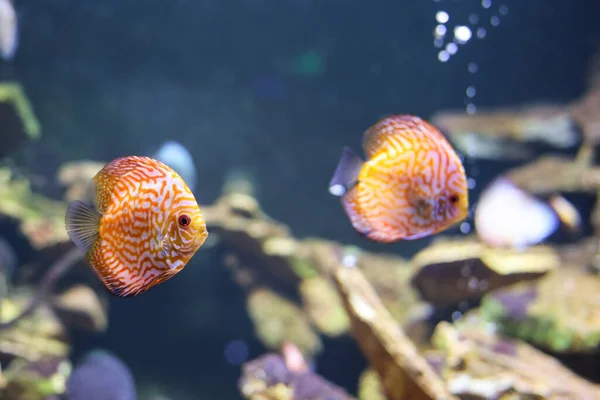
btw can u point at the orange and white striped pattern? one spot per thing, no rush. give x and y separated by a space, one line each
150 227
412 185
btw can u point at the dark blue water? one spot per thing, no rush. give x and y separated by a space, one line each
274 88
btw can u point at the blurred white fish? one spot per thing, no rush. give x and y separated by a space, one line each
9 35
176 156
507 216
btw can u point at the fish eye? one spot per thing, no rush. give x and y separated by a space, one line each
454 199
184 220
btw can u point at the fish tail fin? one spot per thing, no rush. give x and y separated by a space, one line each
346 173
82 223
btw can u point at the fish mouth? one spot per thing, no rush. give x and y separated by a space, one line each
200 237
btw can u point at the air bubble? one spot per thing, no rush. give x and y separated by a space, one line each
465 227
462 33
456 315
442 17
440 30
451 48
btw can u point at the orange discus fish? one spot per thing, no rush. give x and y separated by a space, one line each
412 185
144 227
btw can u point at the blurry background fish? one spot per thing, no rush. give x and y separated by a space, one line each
101 375
176 156
9 34
507 216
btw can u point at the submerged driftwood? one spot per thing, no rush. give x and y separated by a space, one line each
298 290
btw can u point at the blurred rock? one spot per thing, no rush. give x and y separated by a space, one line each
34 352
76 177
568 175
507 126
277 321
324 306
81 307
101 376
391 278
370 387
560 312
585 111
35 380
17 119
268 378
404 373
40 219
452 270
37 336
8 259
477 364
261 253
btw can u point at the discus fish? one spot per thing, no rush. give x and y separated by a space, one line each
144 227
412 185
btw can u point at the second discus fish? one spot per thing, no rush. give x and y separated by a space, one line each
412 185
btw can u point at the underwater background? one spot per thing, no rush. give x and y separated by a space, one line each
264 95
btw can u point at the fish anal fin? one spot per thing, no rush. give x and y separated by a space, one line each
117 278
82 223
346 172
420 235
353 210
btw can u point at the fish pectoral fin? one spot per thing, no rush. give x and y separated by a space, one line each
165 246
346 173
82 223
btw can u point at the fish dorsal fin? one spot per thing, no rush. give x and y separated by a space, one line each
113 172
82 223
378 136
